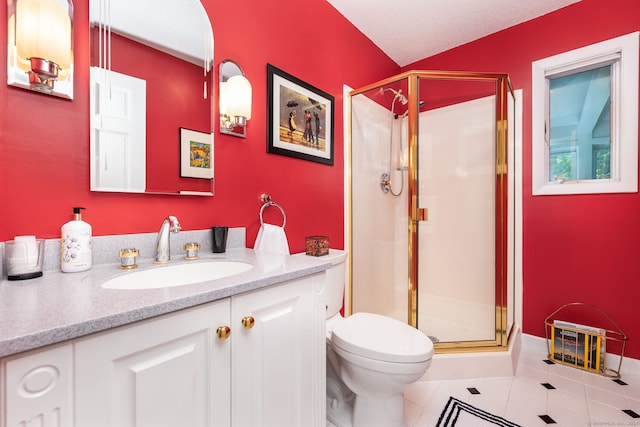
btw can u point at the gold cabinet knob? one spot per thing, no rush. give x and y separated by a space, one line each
248 322
223 332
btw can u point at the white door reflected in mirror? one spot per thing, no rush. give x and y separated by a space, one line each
118 132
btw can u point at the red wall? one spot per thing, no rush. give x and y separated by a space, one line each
576 248
580 247
44 141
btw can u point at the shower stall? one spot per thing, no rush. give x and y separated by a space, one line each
431 205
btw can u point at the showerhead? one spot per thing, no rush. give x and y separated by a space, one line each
397 95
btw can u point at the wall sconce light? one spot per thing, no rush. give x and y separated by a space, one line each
234 100
40 46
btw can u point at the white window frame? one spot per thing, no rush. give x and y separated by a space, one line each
624 115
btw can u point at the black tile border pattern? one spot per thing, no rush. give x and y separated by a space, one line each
631 413
547 419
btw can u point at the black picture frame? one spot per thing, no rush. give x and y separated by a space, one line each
300 120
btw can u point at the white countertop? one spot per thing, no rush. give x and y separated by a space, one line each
61 306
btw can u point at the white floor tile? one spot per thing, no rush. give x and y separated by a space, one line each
413 412
567 416
567 384
421 392
532 358
574 401
633 404
601 381
579 398
608 415
521 406
600 395
567 372
525 388
533 373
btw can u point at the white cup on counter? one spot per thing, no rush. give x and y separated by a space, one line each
24 256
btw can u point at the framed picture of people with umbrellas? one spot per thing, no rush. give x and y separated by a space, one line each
300 118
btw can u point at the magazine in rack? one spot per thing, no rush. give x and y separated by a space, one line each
578 345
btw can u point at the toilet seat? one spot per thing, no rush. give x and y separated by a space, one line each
381 338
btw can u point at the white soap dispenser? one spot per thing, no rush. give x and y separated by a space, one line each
75 244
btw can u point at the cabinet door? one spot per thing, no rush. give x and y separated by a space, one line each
38 388
170 371
279 359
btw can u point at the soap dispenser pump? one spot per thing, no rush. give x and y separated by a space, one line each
75 244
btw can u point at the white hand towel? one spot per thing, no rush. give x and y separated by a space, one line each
271 262
272 238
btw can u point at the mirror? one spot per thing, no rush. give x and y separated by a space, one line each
151 78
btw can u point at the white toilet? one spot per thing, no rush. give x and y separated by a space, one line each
370 360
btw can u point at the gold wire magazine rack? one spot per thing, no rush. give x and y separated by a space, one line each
584 347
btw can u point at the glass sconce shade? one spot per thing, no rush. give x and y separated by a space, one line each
234 97
237 95
40 54
43 30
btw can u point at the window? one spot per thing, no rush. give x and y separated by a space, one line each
585 119
562 166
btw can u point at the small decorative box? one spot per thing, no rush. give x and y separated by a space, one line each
317 245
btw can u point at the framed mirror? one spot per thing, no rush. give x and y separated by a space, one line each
151 76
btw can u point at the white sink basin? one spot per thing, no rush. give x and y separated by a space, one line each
177 275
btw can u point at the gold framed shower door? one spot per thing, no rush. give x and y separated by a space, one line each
503 91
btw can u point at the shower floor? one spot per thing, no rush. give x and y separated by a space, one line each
453 320
450 320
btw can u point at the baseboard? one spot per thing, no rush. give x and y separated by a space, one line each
504 363
539 345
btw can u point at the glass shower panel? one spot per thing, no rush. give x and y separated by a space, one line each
457 185
379 201
431 209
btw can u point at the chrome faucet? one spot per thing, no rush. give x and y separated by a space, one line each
163 245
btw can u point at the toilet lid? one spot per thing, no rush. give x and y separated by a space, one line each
382 338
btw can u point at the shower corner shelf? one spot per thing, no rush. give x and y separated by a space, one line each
594 342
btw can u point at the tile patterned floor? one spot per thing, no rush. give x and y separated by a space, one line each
540 394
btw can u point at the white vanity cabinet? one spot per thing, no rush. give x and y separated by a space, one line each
174 370
169 371
278 348
37 388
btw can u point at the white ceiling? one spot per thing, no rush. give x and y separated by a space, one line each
410 30
177 27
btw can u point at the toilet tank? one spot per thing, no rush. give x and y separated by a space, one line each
335 280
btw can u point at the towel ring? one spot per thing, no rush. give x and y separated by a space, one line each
284 217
